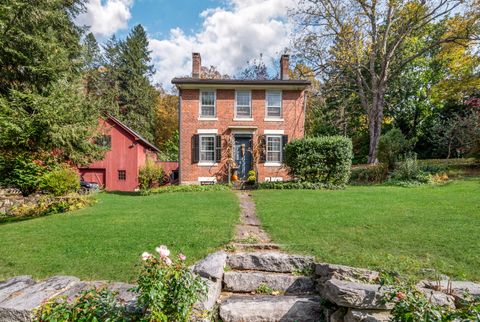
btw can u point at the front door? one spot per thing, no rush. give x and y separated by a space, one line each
243 155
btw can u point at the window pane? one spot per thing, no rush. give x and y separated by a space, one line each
208 104
207 148
208 98
243 98
243 111
274 146
274 103
208 111
274 99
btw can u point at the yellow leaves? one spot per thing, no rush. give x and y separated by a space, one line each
166 117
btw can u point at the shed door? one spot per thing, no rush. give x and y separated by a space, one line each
94 175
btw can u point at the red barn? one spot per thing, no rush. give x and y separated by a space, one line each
128 151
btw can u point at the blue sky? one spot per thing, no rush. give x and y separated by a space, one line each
227 33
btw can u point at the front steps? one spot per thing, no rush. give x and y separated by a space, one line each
269 287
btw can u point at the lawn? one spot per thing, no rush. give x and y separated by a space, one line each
105 241
381 227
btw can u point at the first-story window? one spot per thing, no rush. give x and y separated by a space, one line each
274 148
207 148
207 104
122 175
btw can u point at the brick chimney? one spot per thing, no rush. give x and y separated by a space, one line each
196 65
284 66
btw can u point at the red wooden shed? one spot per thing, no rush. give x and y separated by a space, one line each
128 151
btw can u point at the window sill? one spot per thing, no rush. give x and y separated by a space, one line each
207 164
243 119
270 119
208 118
273 164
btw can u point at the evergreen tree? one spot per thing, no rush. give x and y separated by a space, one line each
137 97
44 114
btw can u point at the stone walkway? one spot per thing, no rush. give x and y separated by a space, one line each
249 234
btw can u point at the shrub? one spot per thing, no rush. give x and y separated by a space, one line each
60 181
412 305
150 175
92 305
320 159
391 147
25 175
167 288
409 171
295 185
251 177
377 173
48 205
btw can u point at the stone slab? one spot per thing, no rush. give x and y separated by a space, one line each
19 306
271 262
239 281
326 271
14 285
355 295
354 315
212 266
271 309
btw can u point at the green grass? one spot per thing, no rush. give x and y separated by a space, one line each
105 241
381 227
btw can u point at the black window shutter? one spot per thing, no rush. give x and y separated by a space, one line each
195 148
263 149
218 148
284 143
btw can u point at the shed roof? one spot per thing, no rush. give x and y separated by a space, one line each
135 134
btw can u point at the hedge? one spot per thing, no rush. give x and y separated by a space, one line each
324 160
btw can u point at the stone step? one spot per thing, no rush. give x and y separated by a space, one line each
270 262
266 308
259 246
247 282
19 305
14 285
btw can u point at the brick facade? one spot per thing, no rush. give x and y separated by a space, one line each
224 124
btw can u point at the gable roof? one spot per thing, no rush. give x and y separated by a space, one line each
135 135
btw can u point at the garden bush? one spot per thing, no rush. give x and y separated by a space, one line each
60 181
292 185
392 147
377 173
324 160
47 205
23 174
167 290
408 173
150 175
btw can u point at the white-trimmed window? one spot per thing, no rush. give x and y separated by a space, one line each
207 104
273 149
274 104
207 148
243 104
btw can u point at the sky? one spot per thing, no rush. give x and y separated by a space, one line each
227 33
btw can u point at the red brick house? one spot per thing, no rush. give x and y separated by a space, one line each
128 151
230 124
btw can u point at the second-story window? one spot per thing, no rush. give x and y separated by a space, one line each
274 104
243 105
207 104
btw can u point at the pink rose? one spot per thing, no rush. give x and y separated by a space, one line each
163 251
146 256
400 296
182 257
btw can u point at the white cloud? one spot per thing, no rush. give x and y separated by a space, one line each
107 17
228 38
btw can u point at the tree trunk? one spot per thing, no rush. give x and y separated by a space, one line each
375 123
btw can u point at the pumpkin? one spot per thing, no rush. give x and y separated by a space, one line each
234 177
